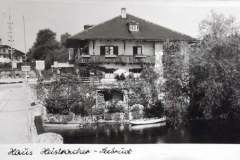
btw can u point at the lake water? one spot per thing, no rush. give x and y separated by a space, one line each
197 132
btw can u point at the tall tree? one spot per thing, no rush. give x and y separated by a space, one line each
63 38
215 69
46 47
62 56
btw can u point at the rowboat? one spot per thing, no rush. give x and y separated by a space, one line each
147 126
148 121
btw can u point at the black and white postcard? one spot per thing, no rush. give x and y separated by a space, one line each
111 79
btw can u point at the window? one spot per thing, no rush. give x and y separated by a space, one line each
70 54
137 50
133 27
109 50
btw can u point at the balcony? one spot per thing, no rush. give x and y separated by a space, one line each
120 59
107 83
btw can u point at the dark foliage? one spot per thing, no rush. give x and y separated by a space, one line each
176 86
120 77
154 110
47 48
66 95
215 70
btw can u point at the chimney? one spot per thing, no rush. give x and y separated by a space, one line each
0 41
87 26
123 13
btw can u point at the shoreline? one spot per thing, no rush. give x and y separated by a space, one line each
86 123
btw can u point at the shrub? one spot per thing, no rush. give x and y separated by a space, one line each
136 111
155 110
114 107
56 106
97 111
66 95
47 74
120 77
5 66
136 108
122 106
79 109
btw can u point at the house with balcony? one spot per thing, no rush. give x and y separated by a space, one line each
121 46
7 56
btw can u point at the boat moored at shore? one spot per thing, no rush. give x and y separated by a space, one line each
148 121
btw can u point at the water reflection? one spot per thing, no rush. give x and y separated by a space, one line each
114 133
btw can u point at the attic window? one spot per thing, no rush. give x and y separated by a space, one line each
133 26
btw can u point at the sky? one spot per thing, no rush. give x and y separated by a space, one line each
63 16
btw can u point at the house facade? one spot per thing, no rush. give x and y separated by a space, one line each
7 57
121 46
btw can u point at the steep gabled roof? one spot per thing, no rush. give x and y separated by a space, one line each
117 29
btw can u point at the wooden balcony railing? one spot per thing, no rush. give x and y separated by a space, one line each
120 59
107 83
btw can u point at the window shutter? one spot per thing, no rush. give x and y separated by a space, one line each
115 51
134 50
70 54
102 50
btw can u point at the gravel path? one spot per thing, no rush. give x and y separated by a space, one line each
15 121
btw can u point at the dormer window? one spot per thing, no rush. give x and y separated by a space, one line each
133 27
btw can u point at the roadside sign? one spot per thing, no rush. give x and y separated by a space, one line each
26 68
40 65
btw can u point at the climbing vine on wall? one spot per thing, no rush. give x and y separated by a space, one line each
176 89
